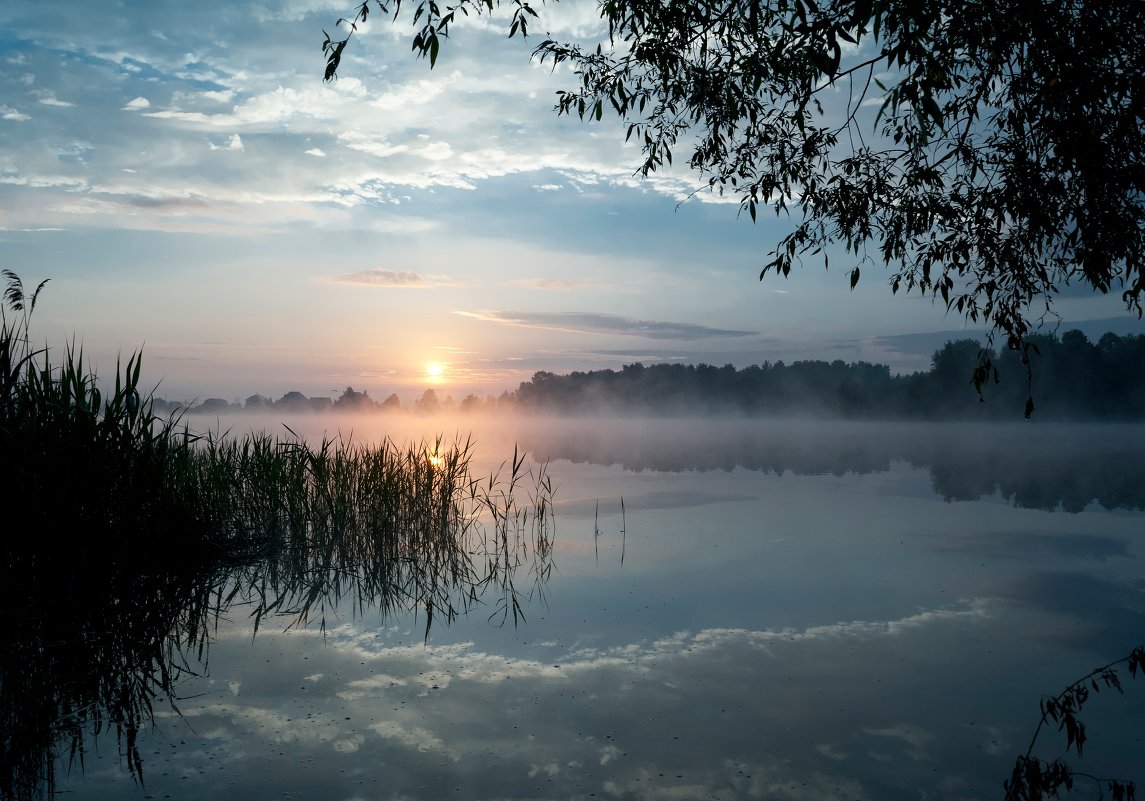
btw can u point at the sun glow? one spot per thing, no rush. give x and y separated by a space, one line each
434 371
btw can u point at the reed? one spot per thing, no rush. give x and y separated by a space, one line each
136 533
103 472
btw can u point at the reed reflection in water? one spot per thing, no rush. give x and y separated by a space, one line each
100 633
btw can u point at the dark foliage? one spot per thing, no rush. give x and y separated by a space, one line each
1034 779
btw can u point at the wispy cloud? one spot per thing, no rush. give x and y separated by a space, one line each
394 279
48 98
9 113
137 104
591 323
463 661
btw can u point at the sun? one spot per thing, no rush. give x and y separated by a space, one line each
434 371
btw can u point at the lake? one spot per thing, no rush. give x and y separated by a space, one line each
737 609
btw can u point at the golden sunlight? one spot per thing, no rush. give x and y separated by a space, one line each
434 371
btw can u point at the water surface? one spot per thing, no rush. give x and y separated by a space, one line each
781 610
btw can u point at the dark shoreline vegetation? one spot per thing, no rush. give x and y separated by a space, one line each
1072 379
136 535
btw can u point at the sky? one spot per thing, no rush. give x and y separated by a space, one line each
192 188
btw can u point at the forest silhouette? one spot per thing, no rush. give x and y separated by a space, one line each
1072 379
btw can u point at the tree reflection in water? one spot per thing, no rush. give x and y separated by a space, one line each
1060 467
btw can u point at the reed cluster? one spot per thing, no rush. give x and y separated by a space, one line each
98 472
383 526
129 534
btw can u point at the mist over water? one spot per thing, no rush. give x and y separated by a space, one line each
779 609
1039 465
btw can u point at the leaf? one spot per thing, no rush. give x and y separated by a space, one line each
333 60
930 105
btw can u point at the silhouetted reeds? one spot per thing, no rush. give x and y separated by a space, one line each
129 534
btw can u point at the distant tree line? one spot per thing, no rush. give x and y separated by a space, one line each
1072 378
351 400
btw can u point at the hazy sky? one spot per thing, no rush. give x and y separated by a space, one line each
189 183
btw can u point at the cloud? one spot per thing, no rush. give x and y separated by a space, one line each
435 151
414 92
463 661
225 96
294 10
180 116
592 323
385 133
374 146
416 737
391 278
47 98
9 113
235 142
694 709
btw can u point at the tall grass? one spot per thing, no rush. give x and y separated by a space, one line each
383 526
128 534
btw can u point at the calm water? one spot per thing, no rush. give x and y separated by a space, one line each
783 610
